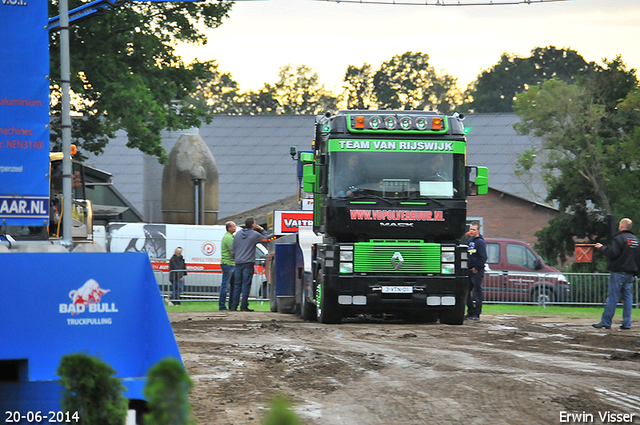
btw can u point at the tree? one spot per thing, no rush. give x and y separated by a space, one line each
300 92
125 73
216 93
589 131
296 92
167 392
262 102
495 88
91 390
407 81
358 90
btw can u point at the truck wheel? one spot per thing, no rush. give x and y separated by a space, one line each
273 305
455 315
327 308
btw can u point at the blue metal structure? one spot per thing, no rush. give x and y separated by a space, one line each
285 287
289 275
103 304
98 7
95 8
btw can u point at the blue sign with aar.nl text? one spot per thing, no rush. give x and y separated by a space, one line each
24 113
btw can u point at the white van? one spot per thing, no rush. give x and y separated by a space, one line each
201 248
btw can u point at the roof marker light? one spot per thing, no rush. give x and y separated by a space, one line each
405 123
436 124
422 123
359 122
390 123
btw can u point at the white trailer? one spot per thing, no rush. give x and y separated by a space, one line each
201 246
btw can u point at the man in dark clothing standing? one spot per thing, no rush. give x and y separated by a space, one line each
624 256
477 258
177 271
243 251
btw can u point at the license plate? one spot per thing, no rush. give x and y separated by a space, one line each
397 289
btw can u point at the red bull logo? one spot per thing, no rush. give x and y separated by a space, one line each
88 297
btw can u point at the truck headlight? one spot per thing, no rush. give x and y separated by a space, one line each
346 267
448 257
448 268
346 255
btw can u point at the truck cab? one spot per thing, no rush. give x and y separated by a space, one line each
390 200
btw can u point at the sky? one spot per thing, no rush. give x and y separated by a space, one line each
259 37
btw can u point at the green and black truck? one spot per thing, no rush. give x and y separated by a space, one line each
390 195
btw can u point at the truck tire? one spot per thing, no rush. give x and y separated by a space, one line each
327 307
455 315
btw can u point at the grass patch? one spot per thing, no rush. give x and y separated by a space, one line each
493 309
213 306
550 311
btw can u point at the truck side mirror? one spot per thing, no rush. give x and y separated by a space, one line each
308 178
308 174
306 158
479 185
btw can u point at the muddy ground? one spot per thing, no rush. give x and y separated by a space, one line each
500 370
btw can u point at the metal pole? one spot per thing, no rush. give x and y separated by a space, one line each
196 207
65 77
202 204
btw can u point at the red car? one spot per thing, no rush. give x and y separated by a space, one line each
516 273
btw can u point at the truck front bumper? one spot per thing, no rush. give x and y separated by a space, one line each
399 293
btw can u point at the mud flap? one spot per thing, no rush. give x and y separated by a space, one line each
455 315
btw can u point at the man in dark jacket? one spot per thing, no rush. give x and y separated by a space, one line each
624 256
177 271
243 251
477 259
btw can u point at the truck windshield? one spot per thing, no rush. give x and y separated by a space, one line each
396 175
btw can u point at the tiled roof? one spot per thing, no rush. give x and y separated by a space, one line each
125 165
255 168
493 143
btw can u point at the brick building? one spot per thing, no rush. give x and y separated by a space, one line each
509 216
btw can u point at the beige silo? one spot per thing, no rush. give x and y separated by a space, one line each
190 183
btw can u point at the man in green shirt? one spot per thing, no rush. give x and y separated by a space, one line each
227 264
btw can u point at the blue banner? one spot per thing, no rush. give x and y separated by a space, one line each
104 304
24 112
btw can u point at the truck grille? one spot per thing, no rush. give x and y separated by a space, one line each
378 257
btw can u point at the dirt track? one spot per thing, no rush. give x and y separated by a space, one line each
500 370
